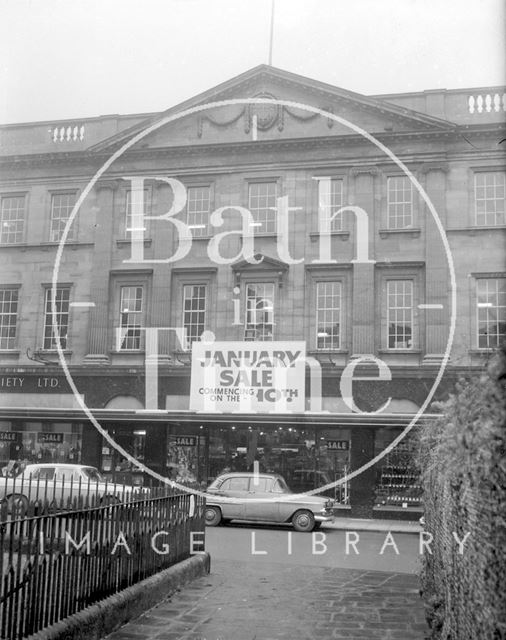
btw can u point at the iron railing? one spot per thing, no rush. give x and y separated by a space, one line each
60 555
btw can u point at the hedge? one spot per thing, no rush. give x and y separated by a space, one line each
463 467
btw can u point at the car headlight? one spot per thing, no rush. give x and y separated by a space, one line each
329 504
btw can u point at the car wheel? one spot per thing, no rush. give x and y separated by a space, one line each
213 516
303 521
19 506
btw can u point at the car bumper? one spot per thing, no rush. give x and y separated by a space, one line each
324 517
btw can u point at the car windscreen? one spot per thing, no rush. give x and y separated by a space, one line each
42 473
239 483
92 474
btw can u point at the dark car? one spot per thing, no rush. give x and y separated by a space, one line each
264 498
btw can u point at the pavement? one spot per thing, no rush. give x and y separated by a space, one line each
241 600
275 601
363 524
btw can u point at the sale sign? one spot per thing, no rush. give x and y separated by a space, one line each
248 377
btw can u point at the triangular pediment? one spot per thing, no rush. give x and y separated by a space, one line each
287 113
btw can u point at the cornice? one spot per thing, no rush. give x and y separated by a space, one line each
95 157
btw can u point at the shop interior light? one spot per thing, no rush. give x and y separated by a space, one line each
140 432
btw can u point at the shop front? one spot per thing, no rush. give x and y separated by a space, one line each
192 449
24 442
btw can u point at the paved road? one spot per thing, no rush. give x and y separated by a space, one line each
325 548
292 597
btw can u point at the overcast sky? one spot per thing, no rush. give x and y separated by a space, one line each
76 58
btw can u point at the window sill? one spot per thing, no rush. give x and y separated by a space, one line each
270 234
127 352
45 246
53 352
330 352
125 242
315 235
413 232
399 351
10 352
485 351
472 230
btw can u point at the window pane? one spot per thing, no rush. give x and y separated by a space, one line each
262 200
130 223
62 300
330 200
400 314
489 194
194 314
328 315
399 202
131 308
259 311
197 210
12 219
235 484
8 318
491 312
61 208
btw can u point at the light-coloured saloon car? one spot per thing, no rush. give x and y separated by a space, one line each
264 498
60 484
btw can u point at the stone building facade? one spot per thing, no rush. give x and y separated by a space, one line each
349 259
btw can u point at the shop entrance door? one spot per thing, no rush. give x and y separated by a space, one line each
117 468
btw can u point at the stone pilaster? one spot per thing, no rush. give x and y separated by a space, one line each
437 278
363 311
98 335
163 231
362 489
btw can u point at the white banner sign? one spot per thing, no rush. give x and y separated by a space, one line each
248 377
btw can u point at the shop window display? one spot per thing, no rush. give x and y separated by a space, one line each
29 442
186 458
117 468
397 476
297 454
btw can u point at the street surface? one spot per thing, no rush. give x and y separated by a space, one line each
244 543
297 596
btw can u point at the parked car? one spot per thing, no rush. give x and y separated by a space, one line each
264 498
60 484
